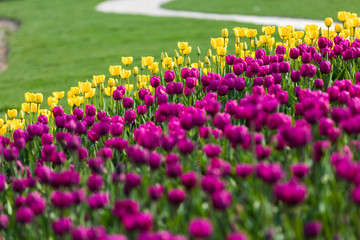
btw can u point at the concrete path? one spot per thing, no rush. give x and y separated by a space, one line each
153 8
7 28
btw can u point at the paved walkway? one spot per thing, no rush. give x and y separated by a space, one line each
153 8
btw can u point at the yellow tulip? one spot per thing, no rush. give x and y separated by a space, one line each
342 16
154 66
328 22
12 113
93 83
1 122
51 106
30 97
99 78
74 91
136 95
345 33
311 27
84 87
354 22
338 28
312 34
352 15
143 78
76 101
2 131
154 70
129 87
109 91
250 33
135 71
39 98
194 65
59 95
284 32
50 100
179 60
141 85
221 51
308 40
25 107
224 33
298 34
237 50
147 61
268 30
217 42
327 33
125 74
357 33
34 108
45 112
239 32
127 60
186 51
205 71
253 43
115 70
90 93
167 60
265 39
182 46
111 82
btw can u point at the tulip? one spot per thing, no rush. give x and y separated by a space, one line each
126 60
312 229
200 228
176 196
12 113
24 215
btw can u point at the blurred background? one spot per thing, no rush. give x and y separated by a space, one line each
61 42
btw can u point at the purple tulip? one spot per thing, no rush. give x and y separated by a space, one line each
312 229
169 76
200 228
221 199
176 196
325 67
62 226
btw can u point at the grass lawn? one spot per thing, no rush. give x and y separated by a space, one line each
61 42
313 9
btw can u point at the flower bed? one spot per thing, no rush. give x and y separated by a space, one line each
262 144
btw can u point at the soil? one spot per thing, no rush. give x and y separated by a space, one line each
7 28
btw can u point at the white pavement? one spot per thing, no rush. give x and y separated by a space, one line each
153 8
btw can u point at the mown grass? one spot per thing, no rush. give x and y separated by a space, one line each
313 9
61 42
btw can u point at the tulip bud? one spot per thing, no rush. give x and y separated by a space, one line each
245 47
338 28
135 71
176 54
237 50
209 54
328 22
188 61
206 60
111 82
39 98
5 118
224 33
198 51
